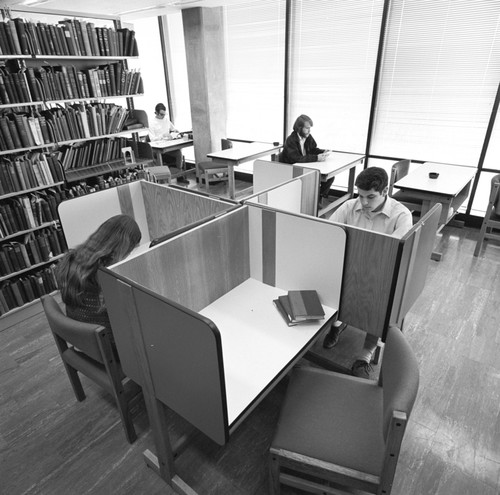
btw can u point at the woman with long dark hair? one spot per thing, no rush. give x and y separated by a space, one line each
77 271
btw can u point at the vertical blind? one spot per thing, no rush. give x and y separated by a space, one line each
440 73
255 58
333 58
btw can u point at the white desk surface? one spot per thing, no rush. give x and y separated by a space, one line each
256 342
241 152
336 162
171 143
452 179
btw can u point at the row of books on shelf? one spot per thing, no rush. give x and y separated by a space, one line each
32 250
88 153
16 293
77 121
20 84
300 306
29 171
100 183
27 212
68 37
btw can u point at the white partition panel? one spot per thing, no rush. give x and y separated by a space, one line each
310 255
81 216
295 252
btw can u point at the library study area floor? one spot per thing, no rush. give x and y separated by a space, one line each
50 444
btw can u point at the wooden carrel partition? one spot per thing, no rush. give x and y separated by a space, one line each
154 301
285 187
157 209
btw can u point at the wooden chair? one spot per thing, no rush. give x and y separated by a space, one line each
339 430
491 220
89 349
398 171
211 172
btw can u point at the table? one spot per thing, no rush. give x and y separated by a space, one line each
258 349
336 163
240 153
451 189
257 344
166 145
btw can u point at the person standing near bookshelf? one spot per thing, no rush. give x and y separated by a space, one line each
374 210
161 128
300 147
76 273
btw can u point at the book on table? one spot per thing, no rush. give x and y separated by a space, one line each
300 306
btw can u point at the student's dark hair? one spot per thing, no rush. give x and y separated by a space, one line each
372 178
300 122
159 107
110 243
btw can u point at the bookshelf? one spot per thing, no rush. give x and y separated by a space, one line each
61 124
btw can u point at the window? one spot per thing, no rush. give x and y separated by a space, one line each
333 58
255 60
439 78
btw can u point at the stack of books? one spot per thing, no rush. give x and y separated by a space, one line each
300 306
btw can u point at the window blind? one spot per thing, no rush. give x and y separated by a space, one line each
439 78
333 58
255 58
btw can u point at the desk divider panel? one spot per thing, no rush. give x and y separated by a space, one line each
157 209
267 174
296 252
415 262
198 266
183 369
169 284
370 273
81 216
299 195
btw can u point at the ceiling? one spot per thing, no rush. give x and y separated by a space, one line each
125 9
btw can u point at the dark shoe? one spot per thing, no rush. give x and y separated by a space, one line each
182 180
361 369
332 337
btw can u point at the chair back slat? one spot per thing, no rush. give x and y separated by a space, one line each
79 334
495 194
398 171
399 375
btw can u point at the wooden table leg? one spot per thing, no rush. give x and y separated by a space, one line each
230 173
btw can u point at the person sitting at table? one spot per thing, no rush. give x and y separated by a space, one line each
300 147
76 273
161 128
374 210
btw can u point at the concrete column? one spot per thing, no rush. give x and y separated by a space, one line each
205 57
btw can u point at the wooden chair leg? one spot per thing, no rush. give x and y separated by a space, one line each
123 408
274 475
480 241
75 382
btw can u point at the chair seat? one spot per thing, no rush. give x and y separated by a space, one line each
352 409
211 166
404 197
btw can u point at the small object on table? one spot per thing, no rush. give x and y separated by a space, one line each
433 175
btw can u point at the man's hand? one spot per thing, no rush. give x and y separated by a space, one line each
322 156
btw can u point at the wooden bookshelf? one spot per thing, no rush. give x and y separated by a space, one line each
32 267
63 72
103 168
19 233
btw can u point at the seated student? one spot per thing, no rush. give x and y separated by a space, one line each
371 210
300 147
161 128
77 272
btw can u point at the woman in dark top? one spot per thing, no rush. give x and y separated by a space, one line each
300 147
77 272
